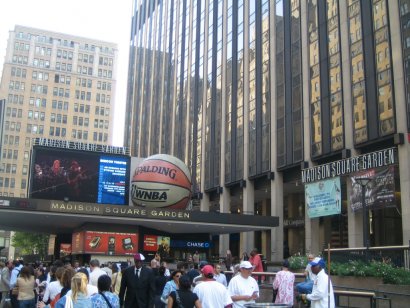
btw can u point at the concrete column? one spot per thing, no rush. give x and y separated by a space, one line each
277 210
355 221
401 113
248 238
224 203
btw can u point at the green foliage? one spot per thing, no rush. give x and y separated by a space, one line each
388 272
31 243
385 270
297 262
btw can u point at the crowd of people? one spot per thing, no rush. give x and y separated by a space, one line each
115 285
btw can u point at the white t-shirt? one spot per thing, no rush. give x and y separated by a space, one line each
95 274
221 278
53 288
212 294
91 290
319 297
241 286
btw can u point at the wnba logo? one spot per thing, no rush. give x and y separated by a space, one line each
161 181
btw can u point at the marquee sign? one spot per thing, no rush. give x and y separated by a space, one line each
349 165
75 145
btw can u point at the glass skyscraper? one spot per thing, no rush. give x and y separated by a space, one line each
249 93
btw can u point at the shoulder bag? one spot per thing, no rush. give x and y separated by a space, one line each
106 299
178 300
68 302
15 290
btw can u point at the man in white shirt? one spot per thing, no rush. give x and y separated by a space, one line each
243 288
107 268
96 272
322 292
210 292
219 276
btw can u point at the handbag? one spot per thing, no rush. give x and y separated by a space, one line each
178 300
68 302
15 291
164 300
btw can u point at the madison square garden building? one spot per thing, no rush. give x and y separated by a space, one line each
263 98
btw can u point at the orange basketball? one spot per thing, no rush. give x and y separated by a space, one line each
161 181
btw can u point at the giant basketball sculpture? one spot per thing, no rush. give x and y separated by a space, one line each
161 181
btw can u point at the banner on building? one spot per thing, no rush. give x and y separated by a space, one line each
323 198
379 192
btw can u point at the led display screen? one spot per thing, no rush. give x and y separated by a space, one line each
61 174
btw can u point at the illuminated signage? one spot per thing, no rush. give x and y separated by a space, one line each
190 244
75 145
92 177
342 167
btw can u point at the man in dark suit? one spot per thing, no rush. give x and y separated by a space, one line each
138 285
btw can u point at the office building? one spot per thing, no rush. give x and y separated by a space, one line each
56 86
251 93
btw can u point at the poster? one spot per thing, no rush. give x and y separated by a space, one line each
379 192
105 243
150 243
323 198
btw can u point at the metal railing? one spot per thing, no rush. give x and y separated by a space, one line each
396 255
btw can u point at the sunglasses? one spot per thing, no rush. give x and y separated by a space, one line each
177 276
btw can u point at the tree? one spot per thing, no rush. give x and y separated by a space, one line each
31 243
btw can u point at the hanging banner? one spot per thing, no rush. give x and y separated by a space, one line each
323 198
379 191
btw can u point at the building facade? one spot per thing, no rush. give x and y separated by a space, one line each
250 93
56 86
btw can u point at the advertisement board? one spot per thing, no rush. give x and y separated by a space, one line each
65 249
61 174
323 198
159 244
379 192
105 243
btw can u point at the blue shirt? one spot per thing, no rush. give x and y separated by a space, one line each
81 302
98 300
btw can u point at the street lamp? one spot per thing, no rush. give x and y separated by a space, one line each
363 182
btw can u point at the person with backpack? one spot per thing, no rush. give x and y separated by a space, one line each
15 273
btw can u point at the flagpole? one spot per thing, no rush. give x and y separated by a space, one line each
328 275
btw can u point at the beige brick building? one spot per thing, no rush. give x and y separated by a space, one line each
57 86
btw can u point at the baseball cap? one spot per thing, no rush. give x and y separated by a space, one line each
207 270
202 264
317 261
246 264
139 257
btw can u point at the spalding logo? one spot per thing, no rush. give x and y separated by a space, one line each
161 181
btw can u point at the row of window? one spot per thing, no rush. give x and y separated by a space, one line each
14 154
62 79
39 75
85 58
14 112
21 46
64 54
16 99
61 92
20 59
66 67
18 72
12 168
41 63
11 140
10 183
17 85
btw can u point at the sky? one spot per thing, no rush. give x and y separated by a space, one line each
107 20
